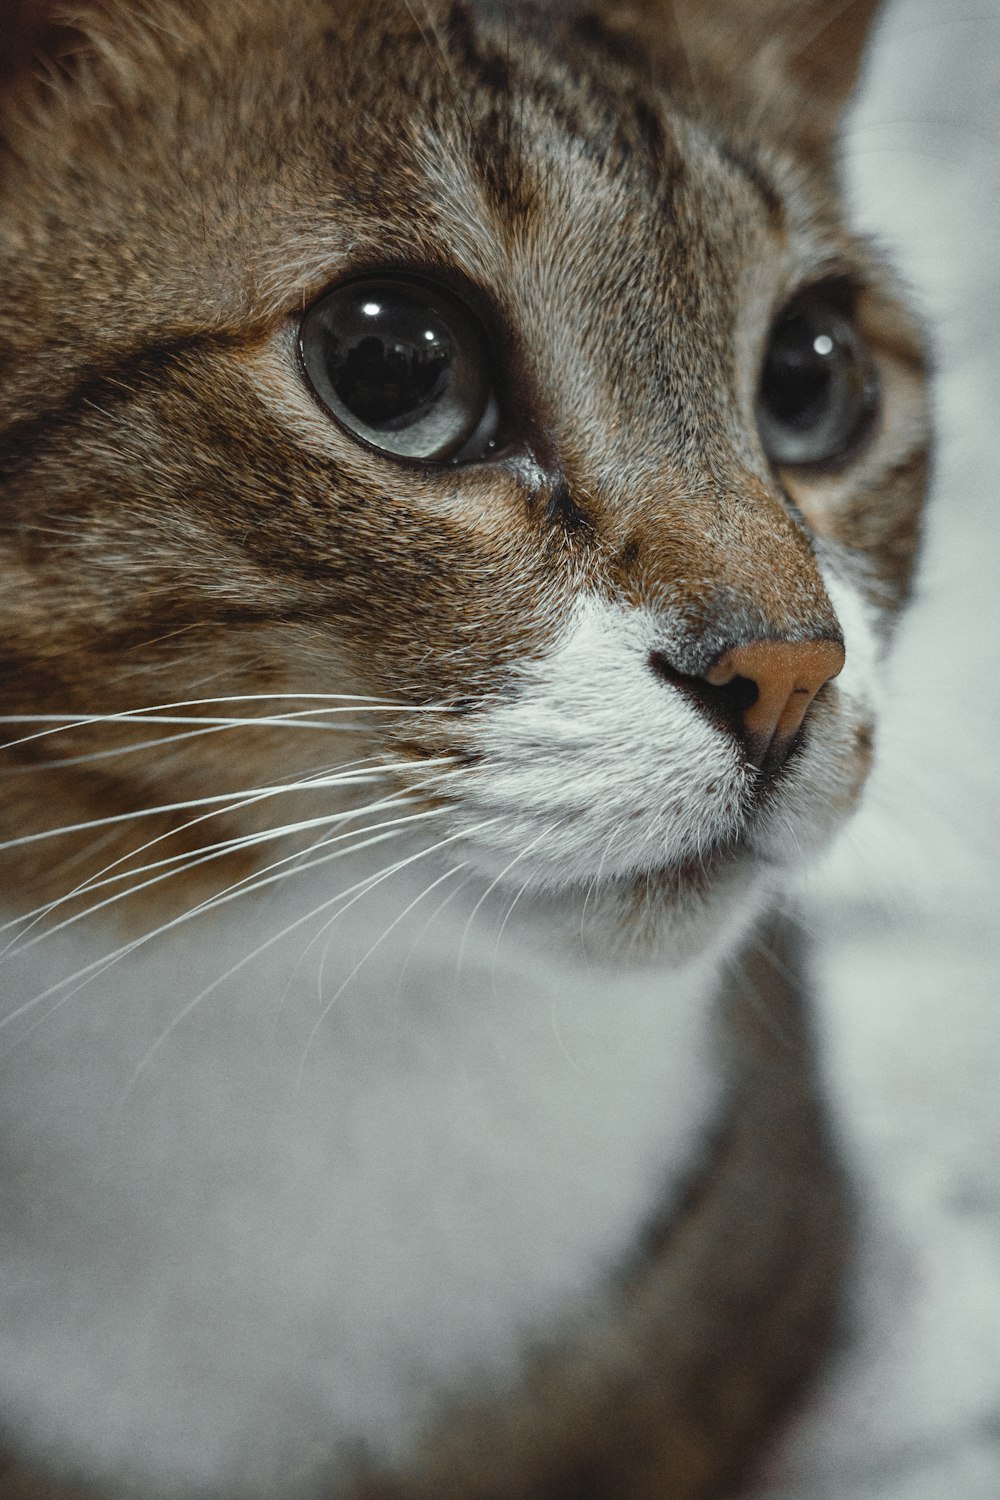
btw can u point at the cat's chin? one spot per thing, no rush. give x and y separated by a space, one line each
670 918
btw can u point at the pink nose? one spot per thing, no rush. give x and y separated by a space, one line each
787 676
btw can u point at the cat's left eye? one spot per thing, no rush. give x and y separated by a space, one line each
403 365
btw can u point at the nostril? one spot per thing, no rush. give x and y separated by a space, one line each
725 704
759 691
788 675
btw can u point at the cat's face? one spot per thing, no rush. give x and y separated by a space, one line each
663 462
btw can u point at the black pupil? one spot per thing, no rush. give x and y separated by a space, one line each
799 373
388 359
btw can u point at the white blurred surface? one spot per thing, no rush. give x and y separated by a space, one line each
911 968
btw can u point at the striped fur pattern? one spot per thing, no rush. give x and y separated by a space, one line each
205 578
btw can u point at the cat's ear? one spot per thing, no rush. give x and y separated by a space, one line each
818 43
816 46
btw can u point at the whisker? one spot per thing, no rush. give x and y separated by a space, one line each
168 635
694 71
170 740
356 892
183 866
934 125
421 854
104 877
205 702
398 801
298 965
93 970
369 769
441 906
493 885
595 881
761 1003
440 55
300 719
400 916
101 966
503 927
984 19
772 102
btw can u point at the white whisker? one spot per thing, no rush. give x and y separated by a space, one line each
259 881
105 876
595 880
355 892
493 885
400 916
207 855
441 906
503 927
421 854
368 771
322 780
205 728
160 714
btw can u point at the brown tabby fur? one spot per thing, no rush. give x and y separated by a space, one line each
617 183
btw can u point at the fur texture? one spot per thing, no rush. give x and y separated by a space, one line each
536 1208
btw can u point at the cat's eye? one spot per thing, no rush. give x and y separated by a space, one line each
818 389
405 366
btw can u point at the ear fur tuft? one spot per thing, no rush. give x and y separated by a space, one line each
823 42
815 46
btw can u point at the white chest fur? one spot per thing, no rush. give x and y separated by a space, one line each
310 1207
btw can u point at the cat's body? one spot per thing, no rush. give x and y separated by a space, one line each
262 1259
487 1178
373 1197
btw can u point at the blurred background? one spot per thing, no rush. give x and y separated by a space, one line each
912 891
922 157
909 900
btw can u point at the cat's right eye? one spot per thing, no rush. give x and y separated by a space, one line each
403 365
818 388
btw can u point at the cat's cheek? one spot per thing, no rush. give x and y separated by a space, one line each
818 797
593 770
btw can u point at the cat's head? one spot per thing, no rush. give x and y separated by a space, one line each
507 366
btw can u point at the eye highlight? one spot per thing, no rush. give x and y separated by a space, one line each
403 365
818 387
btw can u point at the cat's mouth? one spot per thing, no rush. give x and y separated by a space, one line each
565 834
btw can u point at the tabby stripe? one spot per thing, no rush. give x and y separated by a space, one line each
112 383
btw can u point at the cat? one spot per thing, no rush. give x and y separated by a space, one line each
460 473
